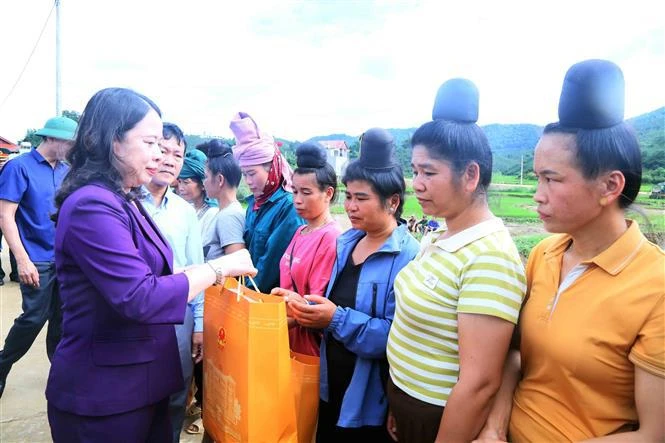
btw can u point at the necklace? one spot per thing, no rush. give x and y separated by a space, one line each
308 230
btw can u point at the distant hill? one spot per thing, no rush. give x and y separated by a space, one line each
510 142
654 120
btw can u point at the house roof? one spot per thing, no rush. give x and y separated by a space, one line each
335 144
4 143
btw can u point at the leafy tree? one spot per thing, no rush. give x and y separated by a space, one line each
354 150
74 115
30 137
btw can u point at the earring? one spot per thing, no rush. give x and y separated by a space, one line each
603 201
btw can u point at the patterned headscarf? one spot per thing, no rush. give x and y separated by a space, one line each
254 147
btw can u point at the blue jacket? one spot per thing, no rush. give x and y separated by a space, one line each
364 330
268 232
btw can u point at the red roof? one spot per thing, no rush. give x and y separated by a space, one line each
334 144
4 143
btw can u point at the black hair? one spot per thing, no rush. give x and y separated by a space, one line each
171 130
458 143
221 160
385 182
107 117
311 158
607 149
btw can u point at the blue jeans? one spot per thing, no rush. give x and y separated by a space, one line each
40 305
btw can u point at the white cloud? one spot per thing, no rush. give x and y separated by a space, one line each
308 68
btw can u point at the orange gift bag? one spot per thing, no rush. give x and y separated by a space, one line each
248 391
305 378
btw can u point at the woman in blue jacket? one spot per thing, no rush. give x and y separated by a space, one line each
358 309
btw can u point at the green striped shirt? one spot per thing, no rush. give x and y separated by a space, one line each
477 271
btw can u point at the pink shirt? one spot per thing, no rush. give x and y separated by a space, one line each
313 258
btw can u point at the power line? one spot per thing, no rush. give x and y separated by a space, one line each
41 33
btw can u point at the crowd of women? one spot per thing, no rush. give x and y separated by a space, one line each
447 340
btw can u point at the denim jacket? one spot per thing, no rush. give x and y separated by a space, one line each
364 330
268 231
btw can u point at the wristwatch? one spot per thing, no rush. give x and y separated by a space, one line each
218 273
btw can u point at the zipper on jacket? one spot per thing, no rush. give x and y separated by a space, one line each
374 289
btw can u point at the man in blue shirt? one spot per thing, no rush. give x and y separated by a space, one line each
28 185
177 221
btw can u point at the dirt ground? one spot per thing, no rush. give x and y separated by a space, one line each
23 404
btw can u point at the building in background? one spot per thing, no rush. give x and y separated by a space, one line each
338 154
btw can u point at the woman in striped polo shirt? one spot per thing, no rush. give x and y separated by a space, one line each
457 303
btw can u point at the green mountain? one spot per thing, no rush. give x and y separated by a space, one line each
510 142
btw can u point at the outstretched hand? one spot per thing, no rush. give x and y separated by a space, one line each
317 314
235 264
290 298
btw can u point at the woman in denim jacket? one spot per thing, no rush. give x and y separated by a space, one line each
358 309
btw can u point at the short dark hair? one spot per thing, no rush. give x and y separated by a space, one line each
607 149
171 130
107 117
385 182
221 160
458 143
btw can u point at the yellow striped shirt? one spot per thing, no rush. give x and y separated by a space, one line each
477 271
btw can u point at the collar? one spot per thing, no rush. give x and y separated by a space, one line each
278 194
40 158
616 257
392 245
467 236
165 200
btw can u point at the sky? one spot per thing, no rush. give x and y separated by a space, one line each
306 68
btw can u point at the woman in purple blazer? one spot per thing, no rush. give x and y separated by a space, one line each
117 362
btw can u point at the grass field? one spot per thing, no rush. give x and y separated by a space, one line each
514 204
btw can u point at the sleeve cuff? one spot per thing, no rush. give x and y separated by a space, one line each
337 318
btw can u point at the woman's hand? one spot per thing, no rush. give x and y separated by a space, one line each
317 315
235 265
290 298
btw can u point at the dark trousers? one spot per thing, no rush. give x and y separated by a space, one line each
40 305
198 380
149 424
328 431
415 420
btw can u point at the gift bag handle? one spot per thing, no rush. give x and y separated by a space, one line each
241 283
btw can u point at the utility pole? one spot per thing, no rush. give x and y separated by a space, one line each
58 76
522 169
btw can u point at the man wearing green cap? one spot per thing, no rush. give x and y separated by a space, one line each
28 185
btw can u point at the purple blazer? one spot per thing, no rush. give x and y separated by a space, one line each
119 301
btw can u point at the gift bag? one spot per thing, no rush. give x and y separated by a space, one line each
248 395
305 378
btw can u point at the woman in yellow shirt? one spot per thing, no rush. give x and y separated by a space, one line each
591 359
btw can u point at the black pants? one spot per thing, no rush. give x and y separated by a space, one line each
328 431
40 305
416 421
198 379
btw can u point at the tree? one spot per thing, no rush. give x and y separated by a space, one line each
76 116
30 137
354 150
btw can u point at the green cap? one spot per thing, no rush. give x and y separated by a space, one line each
62 128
